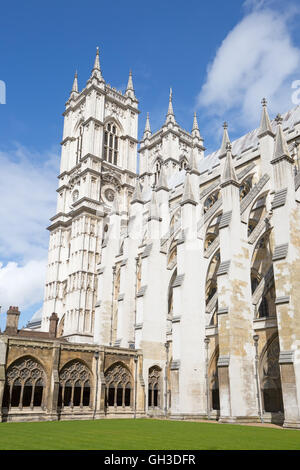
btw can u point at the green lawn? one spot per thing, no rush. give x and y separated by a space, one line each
125 434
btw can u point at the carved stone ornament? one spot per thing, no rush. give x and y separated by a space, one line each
111 179
109 194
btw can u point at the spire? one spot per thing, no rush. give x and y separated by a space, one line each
225 141
137 195
162 180
147 131
130 83
281 149
265 124
130 90
170 114
75 84
195 129
188 196
192 164
96 72
153 210
228 175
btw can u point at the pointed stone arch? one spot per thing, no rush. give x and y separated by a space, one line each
213 380
119 386
26 382
75 382
116 121
262 277
270 379
155 387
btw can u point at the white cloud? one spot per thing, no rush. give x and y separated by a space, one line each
256 59
22 285
27 193
28 199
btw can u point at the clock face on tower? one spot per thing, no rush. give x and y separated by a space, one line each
108 195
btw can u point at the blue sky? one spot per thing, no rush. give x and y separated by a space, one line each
219 57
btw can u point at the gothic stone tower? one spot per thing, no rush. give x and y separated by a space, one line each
98 169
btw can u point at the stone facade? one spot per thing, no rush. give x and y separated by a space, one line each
176 287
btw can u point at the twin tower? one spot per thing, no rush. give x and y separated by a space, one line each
192 265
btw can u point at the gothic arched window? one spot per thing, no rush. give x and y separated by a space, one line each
154 385
74 385
25 384
111 143
270 378
79 145
118 386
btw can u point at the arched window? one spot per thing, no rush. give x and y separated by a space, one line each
154 386
214 381
118 386
74 385
25 384
79 145
111 143
270 378
210 200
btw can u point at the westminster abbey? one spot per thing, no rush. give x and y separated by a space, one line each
173 278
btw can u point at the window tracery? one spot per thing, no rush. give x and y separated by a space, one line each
25 382
74 385
154 384
111 143
118 386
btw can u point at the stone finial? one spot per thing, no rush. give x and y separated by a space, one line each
195 129
162 180
75 84
130 90
96 71
225 140
188 196
228 175
265 123
170 114
280 149
147 131
137 195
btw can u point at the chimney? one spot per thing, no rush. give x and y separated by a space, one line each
53 325
12 320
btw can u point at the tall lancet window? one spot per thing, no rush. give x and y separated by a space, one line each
79 145
111 143
157 172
